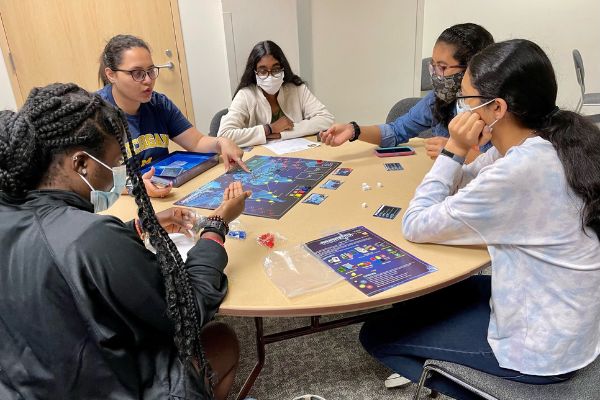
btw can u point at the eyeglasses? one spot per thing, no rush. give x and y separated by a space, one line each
275 72
440 70
139 75
462 104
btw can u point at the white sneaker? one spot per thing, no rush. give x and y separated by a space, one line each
396 380
309 397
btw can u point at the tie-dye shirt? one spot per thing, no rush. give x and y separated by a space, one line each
545 317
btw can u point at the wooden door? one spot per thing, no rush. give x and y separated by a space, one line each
61 41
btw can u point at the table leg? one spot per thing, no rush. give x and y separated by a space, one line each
315 326
260 352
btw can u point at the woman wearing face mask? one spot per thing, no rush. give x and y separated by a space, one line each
88 312
129 75
451 53
271 102
534 201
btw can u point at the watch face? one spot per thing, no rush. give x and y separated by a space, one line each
217 225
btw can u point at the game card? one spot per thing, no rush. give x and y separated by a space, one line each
332 184
393 166
342 171
171 172
388 212
315 198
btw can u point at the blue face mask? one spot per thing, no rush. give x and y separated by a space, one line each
103 200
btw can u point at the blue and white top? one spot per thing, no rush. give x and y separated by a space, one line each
545 317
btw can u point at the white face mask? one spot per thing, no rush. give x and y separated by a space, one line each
270 84
103 200
462 106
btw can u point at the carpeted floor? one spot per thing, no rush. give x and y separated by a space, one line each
331 364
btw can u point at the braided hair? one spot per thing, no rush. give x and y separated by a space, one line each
468 39
60 117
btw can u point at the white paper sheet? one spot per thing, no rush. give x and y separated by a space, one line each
291 145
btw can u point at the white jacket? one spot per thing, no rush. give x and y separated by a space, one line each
250 111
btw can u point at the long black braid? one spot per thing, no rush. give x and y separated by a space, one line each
59 117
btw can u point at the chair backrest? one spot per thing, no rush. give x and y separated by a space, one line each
425 76
579 69
215 122
401 108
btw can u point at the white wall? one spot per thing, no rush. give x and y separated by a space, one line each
557 26
359 55
7 97
204 41
257 20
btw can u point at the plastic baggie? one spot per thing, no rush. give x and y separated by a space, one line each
295 271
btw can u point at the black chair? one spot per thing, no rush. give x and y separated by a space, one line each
582 386
215 122
425 76
401 108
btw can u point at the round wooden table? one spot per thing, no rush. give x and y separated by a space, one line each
252 294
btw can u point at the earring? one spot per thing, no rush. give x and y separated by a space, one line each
84 171
74 158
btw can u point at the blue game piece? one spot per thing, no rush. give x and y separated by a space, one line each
237 235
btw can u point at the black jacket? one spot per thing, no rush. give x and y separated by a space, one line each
82 309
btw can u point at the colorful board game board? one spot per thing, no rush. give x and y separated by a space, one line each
368 261
277 184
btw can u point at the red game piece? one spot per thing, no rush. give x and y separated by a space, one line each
266 239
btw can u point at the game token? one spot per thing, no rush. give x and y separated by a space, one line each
267 240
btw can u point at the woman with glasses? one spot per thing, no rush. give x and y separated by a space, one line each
451 53
534 201
129 75
271 102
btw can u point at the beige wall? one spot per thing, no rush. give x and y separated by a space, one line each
256 20
204 40
558 26
359 55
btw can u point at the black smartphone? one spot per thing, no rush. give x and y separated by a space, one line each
394 151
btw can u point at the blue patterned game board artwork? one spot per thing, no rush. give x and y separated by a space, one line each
277 184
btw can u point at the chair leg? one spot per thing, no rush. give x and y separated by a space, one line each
579 105
424 376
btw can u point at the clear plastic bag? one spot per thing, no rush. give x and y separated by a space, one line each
295 271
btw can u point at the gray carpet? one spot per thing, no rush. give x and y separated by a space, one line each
331 364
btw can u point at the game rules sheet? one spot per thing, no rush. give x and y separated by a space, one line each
369 262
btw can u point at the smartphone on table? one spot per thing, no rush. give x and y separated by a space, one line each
394 151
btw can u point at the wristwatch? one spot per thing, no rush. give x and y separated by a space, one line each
356 131
457 158
216 225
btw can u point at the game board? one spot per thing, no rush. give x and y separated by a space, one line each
277 184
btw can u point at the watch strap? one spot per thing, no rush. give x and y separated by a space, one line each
457 158
356 131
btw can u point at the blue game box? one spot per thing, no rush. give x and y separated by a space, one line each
179 167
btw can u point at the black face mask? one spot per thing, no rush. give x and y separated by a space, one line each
446 87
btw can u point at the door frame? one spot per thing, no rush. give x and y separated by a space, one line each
185 81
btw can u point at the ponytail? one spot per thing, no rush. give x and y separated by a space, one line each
577 142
